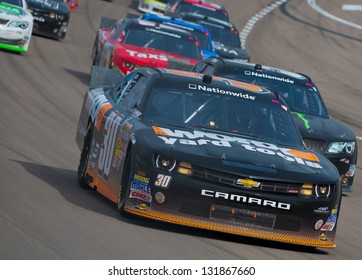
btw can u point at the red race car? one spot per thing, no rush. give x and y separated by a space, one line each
131 43
72 4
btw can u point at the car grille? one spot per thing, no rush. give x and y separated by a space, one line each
231 180
3 21
315 145
10 42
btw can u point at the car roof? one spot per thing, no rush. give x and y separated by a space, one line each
139 22
208 19
185 76
177 21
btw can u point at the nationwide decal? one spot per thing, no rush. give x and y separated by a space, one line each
270 77
178 26
199 138
221 91
246 199
147 55
140 188
163 32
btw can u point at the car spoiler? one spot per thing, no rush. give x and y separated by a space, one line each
130 15
179 64
107 22
104 77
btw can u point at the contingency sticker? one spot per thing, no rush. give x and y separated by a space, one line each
140 189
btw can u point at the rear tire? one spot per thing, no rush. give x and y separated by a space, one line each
83 161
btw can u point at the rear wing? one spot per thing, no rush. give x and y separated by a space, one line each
179 64
104 77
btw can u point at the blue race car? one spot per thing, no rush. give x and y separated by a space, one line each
200 32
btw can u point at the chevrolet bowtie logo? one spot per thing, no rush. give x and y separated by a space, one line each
249 183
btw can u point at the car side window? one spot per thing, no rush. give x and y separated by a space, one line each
122 87
133 99
116 31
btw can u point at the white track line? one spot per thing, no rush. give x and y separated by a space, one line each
359 138
252 21
313 5
352 7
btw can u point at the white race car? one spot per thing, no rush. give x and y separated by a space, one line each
153 6
16 25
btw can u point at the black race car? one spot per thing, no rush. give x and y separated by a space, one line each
225 36
320 132
51 17
205 8
206 152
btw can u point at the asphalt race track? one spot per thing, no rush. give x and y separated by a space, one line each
43 212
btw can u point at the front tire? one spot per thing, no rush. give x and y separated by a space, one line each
84 155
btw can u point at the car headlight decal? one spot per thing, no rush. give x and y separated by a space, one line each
339 147
19 23
165 162
185 168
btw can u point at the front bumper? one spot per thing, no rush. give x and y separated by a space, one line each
13 40
52 28
192 202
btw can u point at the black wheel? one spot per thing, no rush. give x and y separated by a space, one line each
83 161
124 183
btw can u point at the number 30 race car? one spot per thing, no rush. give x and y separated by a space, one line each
206 152
16 25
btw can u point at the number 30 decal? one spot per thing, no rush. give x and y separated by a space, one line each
163 181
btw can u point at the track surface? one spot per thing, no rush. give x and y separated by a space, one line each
45 215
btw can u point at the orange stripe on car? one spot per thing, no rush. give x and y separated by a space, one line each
159 131
102 111
304 155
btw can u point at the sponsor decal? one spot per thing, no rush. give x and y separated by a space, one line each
10 9
323 237
163 181
147 55
221 91
151 29
331 222
199 138
39 19
270 77
246 199
142 206
322 210
179 26
140 188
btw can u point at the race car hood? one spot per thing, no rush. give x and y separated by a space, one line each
147 56
229 52
241 156
11 12
322 128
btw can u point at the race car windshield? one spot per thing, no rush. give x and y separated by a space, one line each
190 8
226 35
163 41
223 110
18 3
300 97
